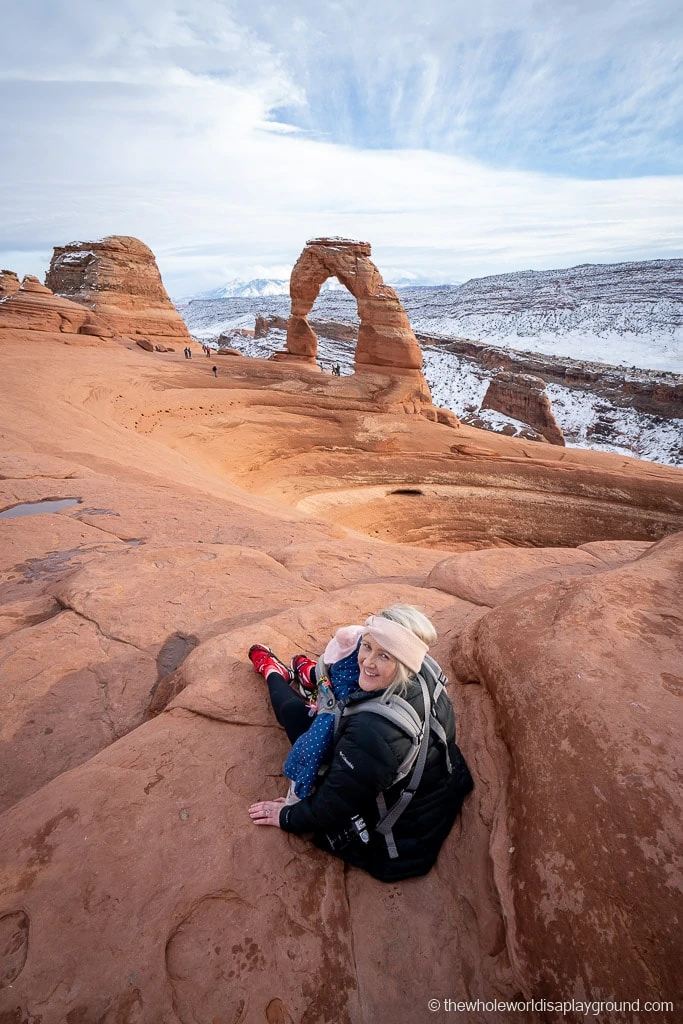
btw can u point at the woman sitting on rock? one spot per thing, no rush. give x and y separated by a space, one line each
374 784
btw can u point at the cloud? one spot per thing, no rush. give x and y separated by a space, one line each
225 134
590 89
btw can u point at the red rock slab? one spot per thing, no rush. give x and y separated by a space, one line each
17 614
34 537
27 465
118 278
142 595
9 283
586 680
34 307
522 397
151 896
494 575
333 564
616 552
215 916
66 691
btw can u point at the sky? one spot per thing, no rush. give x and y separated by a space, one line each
459 139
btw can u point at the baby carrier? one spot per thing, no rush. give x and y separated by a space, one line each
401 714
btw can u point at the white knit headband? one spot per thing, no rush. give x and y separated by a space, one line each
397 640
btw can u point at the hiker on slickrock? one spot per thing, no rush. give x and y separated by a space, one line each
374 784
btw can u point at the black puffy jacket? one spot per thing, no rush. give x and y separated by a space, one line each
367 753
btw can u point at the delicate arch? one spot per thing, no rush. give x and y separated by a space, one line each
385 337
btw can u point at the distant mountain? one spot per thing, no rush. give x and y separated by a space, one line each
237 289
264 286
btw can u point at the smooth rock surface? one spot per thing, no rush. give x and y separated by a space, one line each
585 676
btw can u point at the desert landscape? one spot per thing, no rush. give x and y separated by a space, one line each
195 514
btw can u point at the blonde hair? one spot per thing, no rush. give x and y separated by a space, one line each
418 623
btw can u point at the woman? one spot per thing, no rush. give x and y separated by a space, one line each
362 808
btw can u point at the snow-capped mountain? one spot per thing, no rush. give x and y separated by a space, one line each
264 286
255 288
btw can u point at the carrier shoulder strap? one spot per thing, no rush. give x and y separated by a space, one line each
388 818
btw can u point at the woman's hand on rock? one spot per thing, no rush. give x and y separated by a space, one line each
267 812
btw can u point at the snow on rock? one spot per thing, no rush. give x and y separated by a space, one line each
629 314
620 313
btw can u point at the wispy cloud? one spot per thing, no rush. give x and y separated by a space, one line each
457 140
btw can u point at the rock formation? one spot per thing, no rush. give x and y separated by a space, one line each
386 342
263 324
33 307
523 397
215 513
118 278
591 718
9 283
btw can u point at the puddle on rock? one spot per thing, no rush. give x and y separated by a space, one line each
55 563
35 508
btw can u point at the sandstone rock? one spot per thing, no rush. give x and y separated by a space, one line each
26 541
522 397
18 614
117 277
88 690
495 575
618 552
9 283
186 779
585 676
34 307
144 343
132 886
206 874
196 589
263 324
97 330
385 338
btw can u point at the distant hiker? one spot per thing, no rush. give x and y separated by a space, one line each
185 352
380 790
215 370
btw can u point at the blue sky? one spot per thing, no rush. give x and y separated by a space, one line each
459 139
